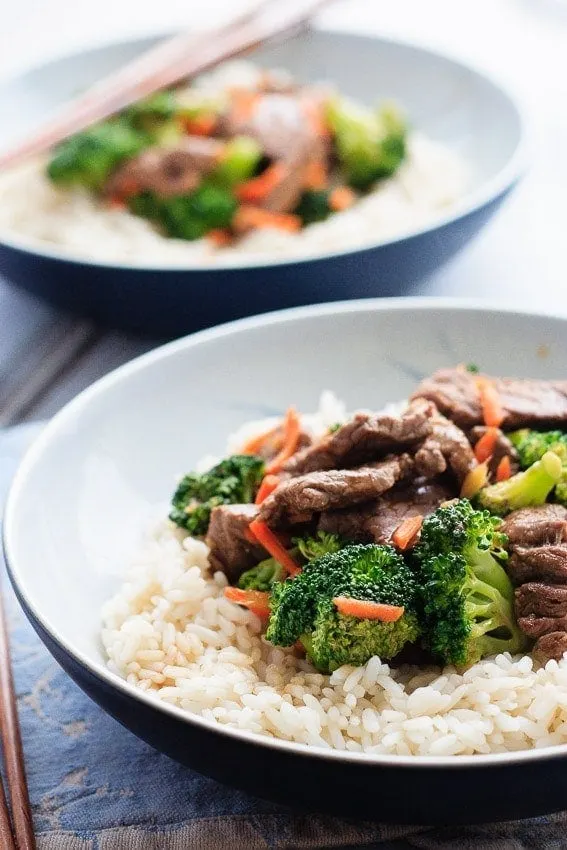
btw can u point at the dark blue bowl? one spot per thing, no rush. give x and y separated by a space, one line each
445 99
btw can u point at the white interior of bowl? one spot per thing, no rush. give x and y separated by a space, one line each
89 483
443 98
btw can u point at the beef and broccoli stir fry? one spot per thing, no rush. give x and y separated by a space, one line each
275 155
437 533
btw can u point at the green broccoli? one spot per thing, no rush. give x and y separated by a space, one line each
88 158
531 447
531 487
303 607
312 548
467 599
370 145
187 216
160 105
313 206
234 480
262 576
239 162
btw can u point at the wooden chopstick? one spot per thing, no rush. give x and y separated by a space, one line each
6 836
13 752
179 58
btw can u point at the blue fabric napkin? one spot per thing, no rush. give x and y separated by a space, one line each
94 786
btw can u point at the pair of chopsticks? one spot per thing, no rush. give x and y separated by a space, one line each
180 57
20 836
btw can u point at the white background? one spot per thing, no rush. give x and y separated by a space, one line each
522 254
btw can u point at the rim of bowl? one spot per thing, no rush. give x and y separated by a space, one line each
112 680
488 191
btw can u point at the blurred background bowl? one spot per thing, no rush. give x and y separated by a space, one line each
445 99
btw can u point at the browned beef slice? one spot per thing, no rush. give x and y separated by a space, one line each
552 645
542 563
502 448
167 171
526 402
542 600
230 551
377 521
536 526
535 627
298 499
446 447
368 436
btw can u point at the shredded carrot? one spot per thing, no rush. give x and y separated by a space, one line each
243 102
117 203
266 488
504 469
273 546
255 444
341 198
366 610
316 177
492 411
406 533
258 188
291 434
255 217
475 480
255 600
220 237
486 445
200 125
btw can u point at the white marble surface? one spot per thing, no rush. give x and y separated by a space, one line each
523 252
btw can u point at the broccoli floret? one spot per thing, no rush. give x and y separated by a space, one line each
531 487
303 608
239 162
88 158
262 576
467 599
315 547
187 216
531 447
232 481
313 206
161 104
370 145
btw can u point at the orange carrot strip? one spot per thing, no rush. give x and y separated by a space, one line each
316 177
341 198
220 237
406 533
366 610
475 480
273 546
255 444
492 411
243 102
200 125
504 469
486 445
268 485
255 217
255 600
117 203
292 431
258 188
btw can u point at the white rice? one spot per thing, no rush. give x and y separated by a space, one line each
430 181
170 631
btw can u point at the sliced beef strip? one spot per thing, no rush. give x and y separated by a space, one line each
502 448
547 564
526 402
298 499
552 645
377 521
366 437
446 447
168 171
535 627
536 526
230 550
541 600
